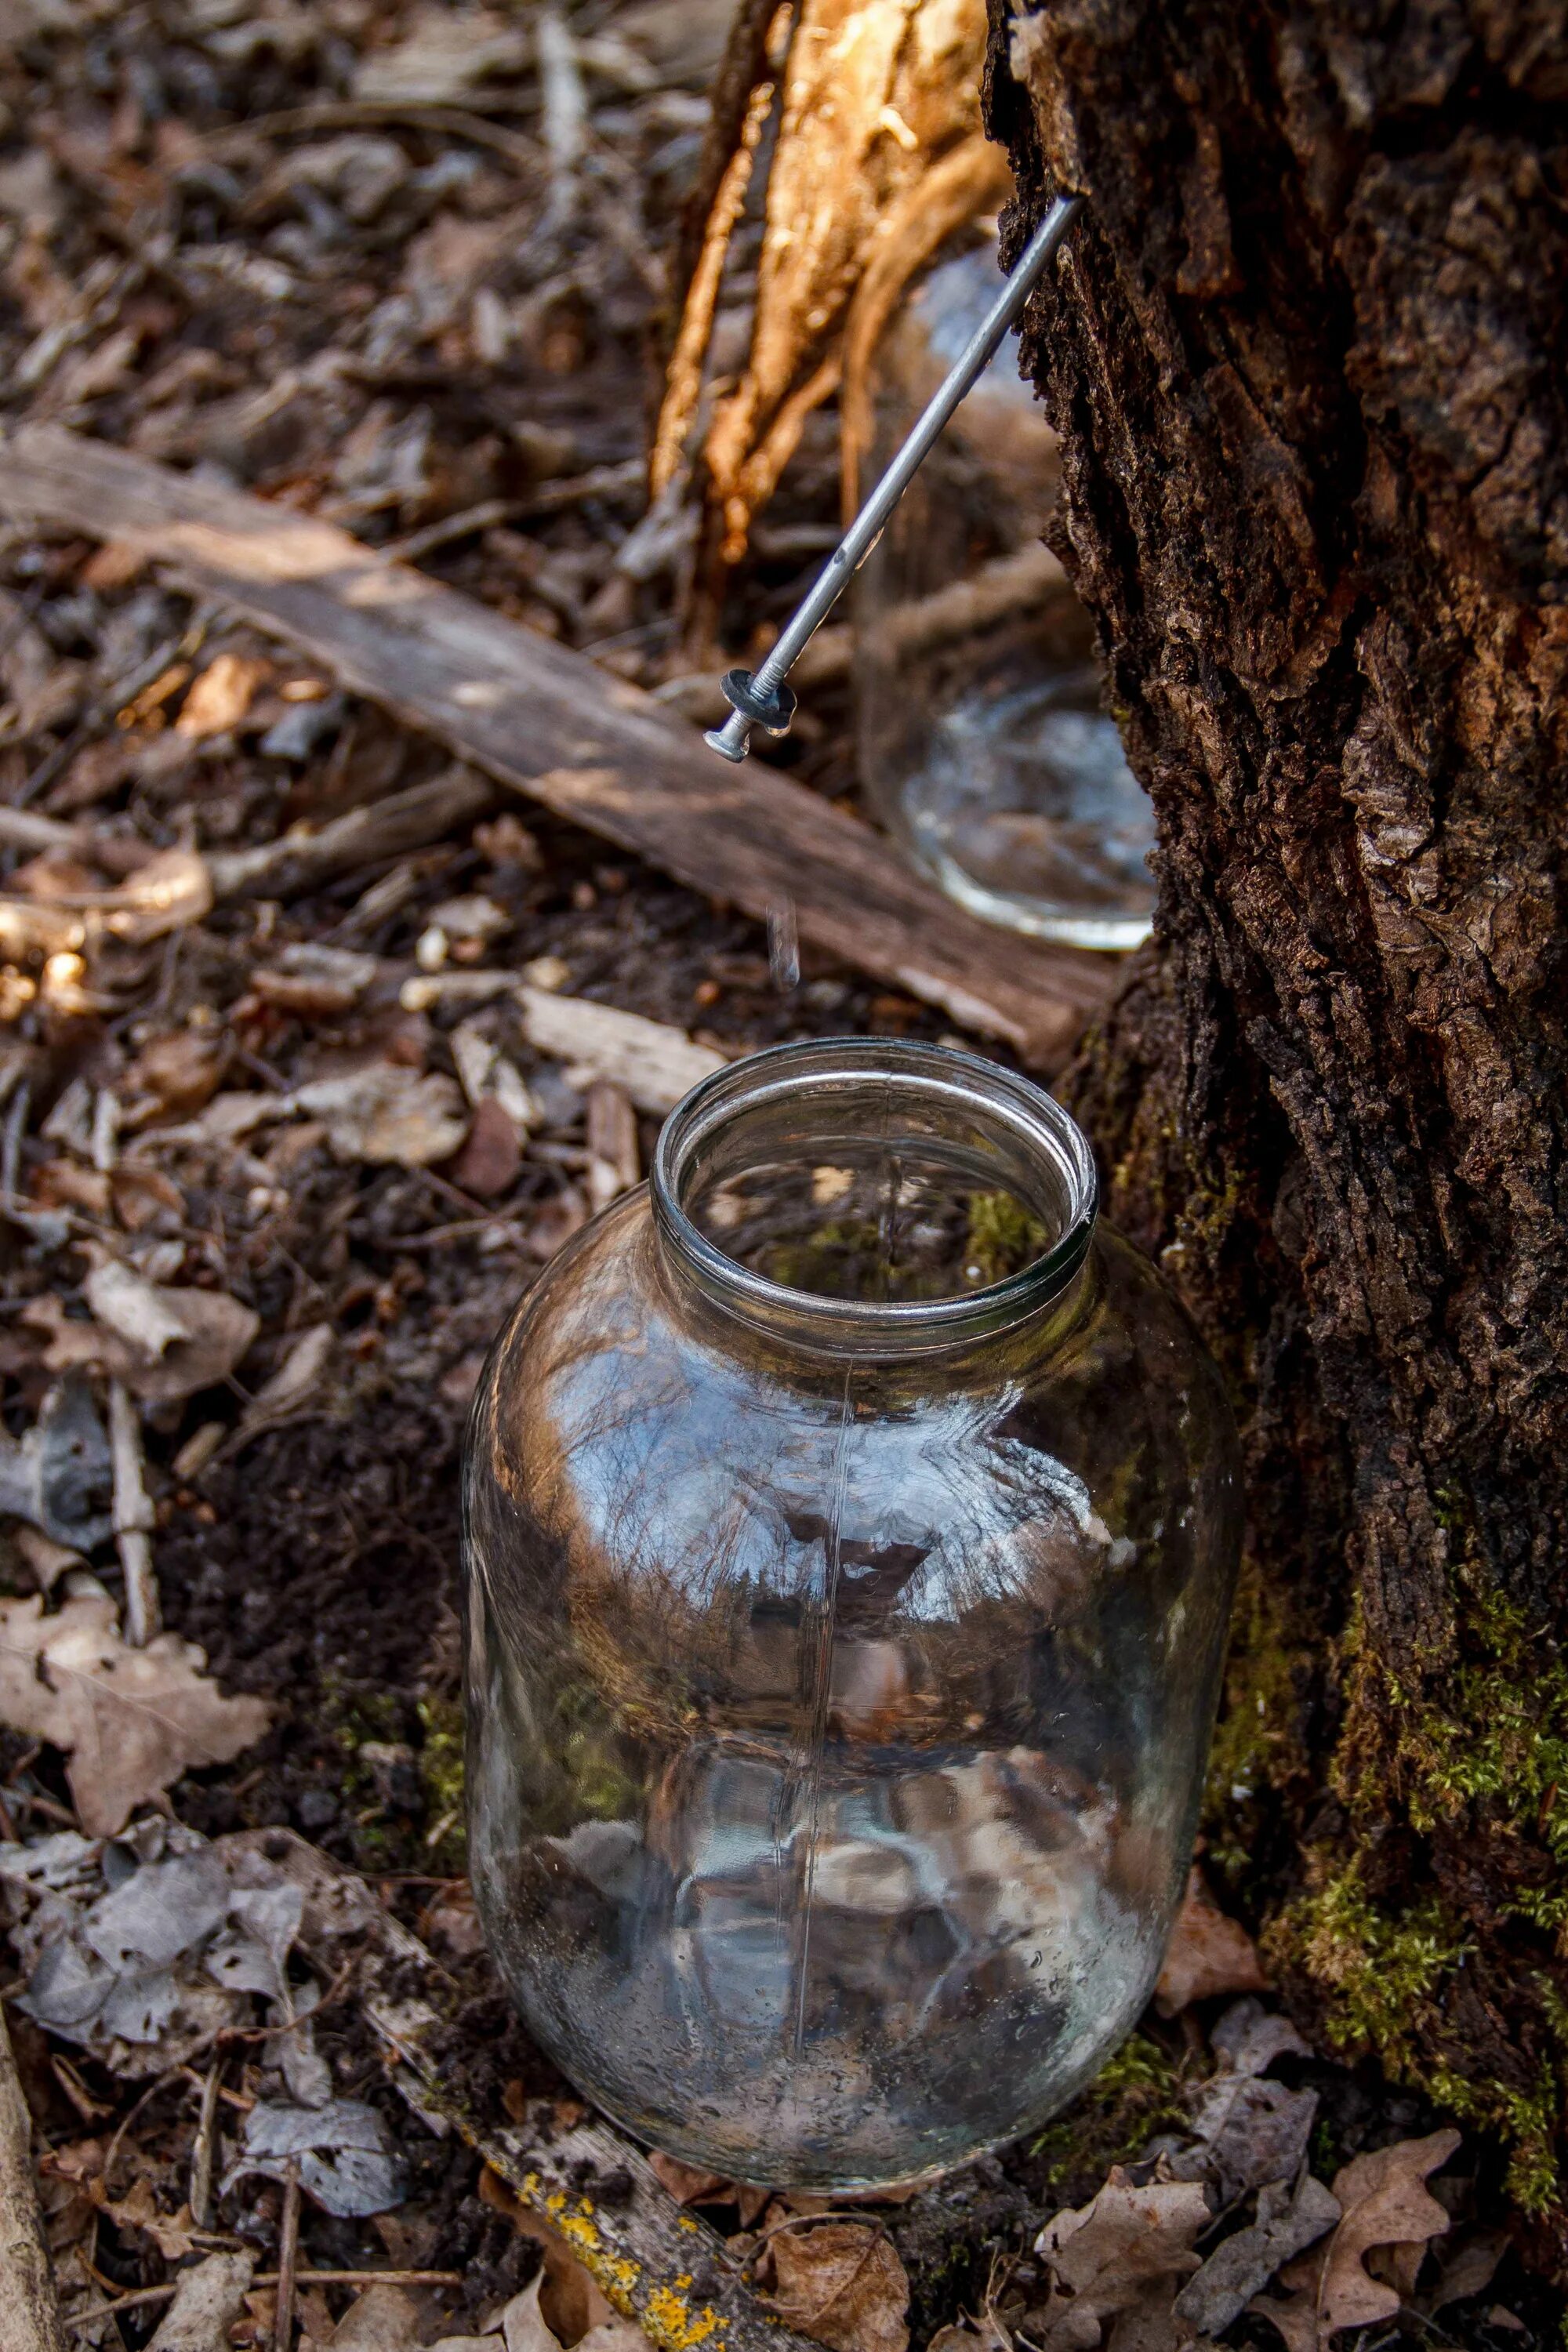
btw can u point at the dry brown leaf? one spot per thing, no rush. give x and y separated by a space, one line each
220 697
129 1721
180 1070
164 1344
387 1114
442 58
1385 2202
1207 1954
1105 2254
489 1162
1289 2219
208 2299
686 2183
985 2334
1468 2270
841 2282
382 2319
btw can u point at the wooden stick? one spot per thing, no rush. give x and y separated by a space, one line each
29 2315
364 2278
288 2257
384 828
204 2152
134 1518
140 2299
548 722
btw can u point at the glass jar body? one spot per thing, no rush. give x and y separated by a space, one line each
837 1727
982 739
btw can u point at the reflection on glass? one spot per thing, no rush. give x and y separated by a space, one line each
846 1616
984 742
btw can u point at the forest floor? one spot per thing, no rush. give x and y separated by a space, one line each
271 1174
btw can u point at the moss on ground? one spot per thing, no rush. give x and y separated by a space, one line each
1138 2092
440 1766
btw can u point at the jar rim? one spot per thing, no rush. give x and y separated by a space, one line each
1012 1104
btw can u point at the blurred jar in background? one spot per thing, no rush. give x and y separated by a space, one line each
983 743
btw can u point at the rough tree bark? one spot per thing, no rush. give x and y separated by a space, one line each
1306 350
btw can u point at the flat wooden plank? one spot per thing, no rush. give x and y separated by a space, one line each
552 724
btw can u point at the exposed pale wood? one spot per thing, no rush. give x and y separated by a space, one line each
550 723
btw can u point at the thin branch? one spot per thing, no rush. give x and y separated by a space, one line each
29 2315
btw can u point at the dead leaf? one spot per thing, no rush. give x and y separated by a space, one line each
386 1114
686 2183
1289 2219
129 1721
1468 2270
985 2334
163 1343
1103 2255
443 57
382 2319
300 1373
1207 1954
1253 2132
842 2283
220 697
180 1070
346 2161
208 2299
490 1161
1385 2202
314 981
56 1475
170 2232
524 2325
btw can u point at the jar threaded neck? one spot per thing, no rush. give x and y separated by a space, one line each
804 1100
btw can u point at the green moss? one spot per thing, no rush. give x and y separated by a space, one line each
1383 1972
1484 1745
1138 2092
1526 2121
440 1765
1257 1740
1003 1236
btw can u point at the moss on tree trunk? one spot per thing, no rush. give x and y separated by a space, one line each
1306 350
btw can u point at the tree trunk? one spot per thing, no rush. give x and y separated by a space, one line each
1306 353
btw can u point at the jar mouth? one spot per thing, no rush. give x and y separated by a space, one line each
798 1105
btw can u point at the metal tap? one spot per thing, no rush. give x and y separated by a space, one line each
761 699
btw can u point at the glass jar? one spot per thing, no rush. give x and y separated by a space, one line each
983 743
850 1525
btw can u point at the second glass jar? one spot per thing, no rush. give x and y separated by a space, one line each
982 737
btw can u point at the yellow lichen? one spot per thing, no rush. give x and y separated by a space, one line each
669 2319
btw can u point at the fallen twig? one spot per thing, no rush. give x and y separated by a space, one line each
288 2257
386 828
134 1518
546 721
29 2315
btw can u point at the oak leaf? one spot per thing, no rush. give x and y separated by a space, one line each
1105 2256
1207 1954
129 1721
843 2284
1385 2202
